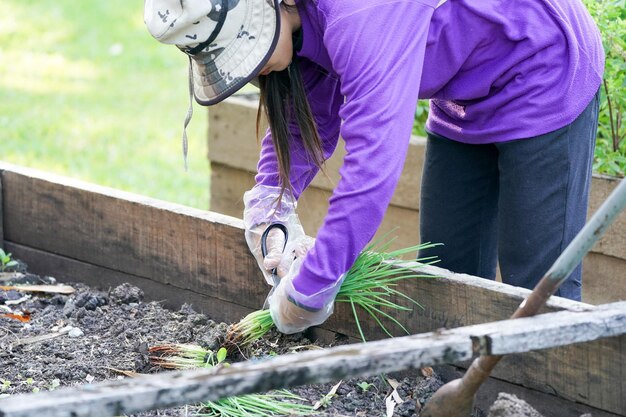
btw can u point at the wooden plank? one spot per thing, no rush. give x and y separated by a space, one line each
550 330
596 379
613 243
136 235
50 289
592 373
548 405
228 185
366 359
232 123
169 295
604 280
206 253
173 297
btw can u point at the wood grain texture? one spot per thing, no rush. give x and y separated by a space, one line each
548 405
146 240
550 330
232 125
318 366
143 237
228 185
604 278
52 289
613 243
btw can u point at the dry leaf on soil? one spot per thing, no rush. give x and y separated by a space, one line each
394 398
330 394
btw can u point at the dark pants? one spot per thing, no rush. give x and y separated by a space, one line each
519 203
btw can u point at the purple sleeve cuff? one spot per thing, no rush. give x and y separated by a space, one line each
314 293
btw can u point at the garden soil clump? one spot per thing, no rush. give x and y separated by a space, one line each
102 334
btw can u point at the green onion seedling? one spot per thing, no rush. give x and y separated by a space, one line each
370 286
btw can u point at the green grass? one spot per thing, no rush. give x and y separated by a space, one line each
86 92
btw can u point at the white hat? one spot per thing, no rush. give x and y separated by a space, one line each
229 41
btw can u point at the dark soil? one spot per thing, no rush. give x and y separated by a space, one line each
106 333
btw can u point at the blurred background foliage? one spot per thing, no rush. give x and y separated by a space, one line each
610 155
87 93
610 15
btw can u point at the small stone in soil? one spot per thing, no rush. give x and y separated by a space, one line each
75 332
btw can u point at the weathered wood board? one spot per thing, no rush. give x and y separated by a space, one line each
611 244
237 115
230 184
122 235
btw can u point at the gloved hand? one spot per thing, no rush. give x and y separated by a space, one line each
262 208
293 312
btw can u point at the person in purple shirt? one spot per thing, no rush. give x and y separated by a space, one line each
513 89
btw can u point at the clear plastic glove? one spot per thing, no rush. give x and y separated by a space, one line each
262 208
293 312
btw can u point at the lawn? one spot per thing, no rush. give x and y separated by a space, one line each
86 92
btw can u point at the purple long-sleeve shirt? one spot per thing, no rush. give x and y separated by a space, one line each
495 71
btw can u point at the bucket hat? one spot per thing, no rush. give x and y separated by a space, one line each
228 41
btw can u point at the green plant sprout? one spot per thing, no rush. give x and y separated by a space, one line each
324 402
188 356
369 285
252 327
258 405
5 384
364 385
54 384
6 261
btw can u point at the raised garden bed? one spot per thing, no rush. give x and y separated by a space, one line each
104 238
232 126
98 334
92 335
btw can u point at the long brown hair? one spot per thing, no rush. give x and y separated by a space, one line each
284 100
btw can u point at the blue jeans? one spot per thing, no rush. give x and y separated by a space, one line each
519 203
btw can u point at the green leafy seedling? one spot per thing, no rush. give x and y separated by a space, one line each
54 384
221 357
273 404
325 401
5 384
364 385
369 285
6 261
